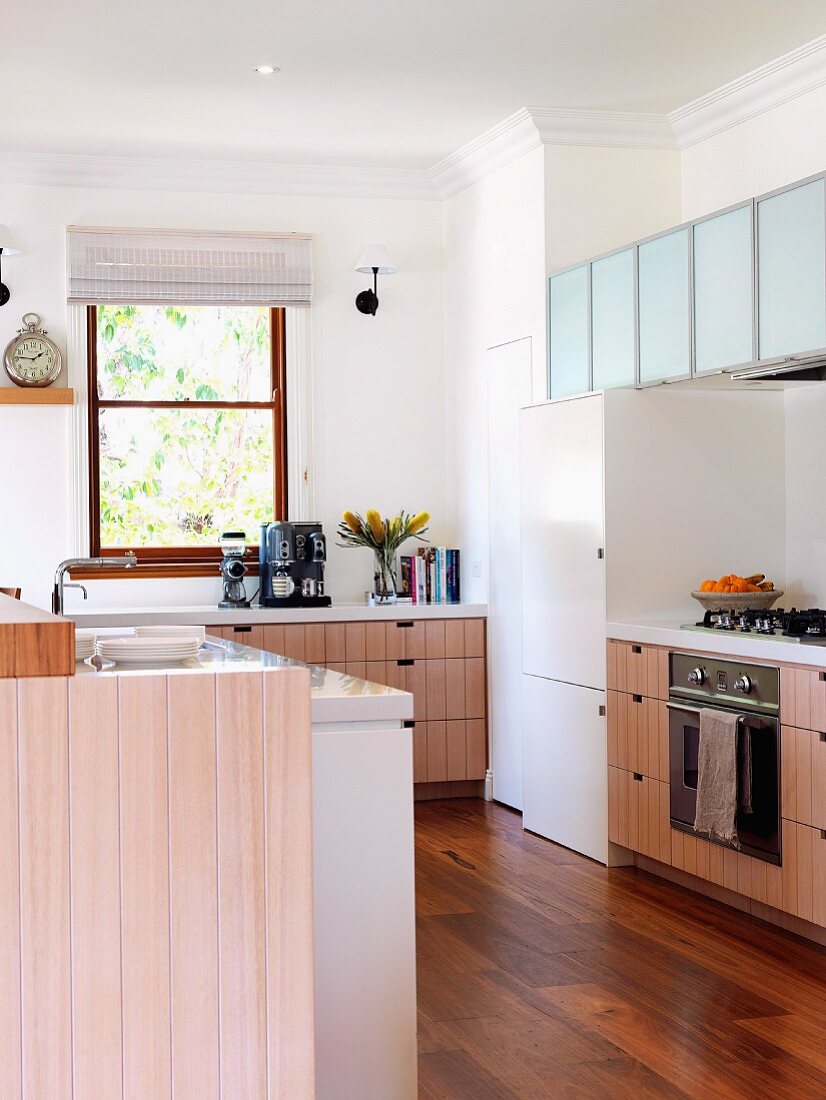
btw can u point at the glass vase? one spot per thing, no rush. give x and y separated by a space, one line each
384 578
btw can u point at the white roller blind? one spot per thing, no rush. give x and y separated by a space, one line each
174 267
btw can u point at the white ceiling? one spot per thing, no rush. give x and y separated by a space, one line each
382 83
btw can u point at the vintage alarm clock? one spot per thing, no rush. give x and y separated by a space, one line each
31 358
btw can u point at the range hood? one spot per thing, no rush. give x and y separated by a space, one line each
797 368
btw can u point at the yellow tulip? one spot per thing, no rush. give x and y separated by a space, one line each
375 524
352 522
420 520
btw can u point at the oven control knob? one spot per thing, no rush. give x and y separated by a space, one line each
697 676
743 683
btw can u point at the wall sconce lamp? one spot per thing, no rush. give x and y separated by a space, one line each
374 258
7 248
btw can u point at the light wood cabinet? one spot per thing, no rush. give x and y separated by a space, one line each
638 735
804 872
441 662
803 697
803 776
638 814
155 905
638 669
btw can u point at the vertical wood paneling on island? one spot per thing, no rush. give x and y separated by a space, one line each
44 887
10 1069
145 886
193 887
241 914
95 885
289 857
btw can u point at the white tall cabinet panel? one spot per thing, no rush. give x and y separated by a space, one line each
664 307
563 572
613 344
509 389
568 324
566 765
791 271
723 298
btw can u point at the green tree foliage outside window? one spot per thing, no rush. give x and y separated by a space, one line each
177 476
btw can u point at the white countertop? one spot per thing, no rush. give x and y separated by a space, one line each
335 697
210 615
776 648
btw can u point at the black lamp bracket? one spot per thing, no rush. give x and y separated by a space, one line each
5 293
368 300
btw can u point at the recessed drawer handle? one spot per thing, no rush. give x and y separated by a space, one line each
409 723
636 698
636 649
404 626
405 663
638 777
823 737
822 675
242 630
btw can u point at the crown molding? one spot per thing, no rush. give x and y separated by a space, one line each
214 176
534 126
617 129
787 77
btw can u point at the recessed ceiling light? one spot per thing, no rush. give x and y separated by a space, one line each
266 70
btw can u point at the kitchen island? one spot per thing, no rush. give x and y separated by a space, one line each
168 837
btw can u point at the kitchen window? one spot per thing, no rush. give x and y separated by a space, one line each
187 429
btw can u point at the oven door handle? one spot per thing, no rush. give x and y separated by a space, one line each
745 719
679 706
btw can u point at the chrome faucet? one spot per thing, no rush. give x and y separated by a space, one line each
128 561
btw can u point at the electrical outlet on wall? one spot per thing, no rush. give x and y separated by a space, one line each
476 569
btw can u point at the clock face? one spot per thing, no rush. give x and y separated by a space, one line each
33 359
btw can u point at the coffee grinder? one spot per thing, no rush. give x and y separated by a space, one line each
233 569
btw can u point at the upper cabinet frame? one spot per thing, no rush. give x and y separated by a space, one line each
745 290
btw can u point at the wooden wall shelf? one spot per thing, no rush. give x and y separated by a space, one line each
50 395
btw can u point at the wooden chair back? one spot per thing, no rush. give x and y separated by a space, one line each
13 592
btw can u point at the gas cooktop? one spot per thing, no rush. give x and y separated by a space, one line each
807 626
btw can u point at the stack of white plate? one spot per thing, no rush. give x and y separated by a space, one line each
84 644
165 650
159 632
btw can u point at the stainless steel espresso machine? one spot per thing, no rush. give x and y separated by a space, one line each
291 561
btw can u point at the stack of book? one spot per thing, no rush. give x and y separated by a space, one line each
431 576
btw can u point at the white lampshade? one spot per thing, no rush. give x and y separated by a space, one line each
7 245
375 255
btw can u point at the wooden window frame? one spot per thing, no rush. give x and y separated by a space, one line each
182 561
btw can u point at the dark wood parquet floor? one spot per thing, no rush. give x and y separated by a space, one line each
542 974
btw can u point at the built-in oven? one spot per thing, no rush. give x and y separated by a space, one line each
752 692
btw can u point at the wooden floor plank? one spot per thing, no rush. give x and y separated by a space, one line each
542 973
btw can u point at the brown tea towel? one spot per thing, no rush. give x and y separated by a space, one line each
717 777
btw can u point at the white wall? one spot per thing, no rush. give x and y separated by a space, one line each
494 292
598 199
778 147
378 382
766 152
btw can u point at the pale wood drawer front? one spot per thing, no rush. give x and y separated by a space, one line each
447 751
638 669
803 697
753 878
803 774
804 872
638 814
638 735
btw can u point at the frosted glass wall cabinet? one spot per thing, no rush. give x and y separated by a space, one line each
613 325
723 277
665 307
791 271
569 331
